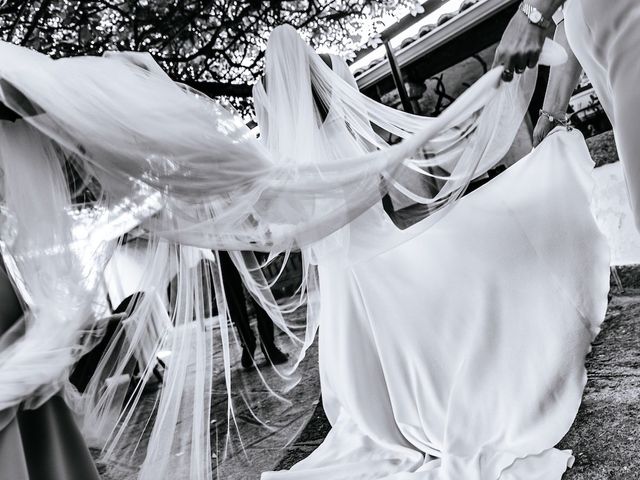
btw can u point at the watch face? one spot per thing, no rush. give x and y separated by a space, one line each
535 17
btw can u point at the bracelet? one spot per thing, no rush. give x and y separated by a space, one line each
564 122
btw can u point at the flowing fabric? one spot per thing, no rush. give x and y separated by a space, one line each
186 176
478 372
475 372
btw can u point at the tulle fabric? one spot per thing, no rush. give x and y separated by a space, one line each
188 177
54 263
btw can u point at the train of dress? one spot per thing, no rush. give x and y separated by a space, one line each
467 361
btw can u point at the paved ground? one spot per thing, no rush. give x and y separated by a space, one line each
262 444
605 437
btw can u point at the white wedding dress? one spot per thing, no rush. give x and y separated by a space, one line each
452 350
458 354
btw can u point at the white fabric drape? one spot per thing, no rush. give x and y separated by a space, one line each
187 172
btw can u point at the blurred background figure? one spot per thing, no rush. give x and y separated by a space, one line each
237 302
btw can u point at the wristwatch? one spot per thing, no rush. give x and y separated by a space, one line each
534 15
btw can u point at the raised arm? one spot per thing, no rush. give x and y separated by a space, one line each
524 37
562 82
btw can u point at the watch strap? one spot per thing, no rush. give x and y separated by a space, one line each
532 12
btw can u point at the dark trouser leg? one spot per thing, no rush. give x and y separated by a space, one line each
236 303
267 341
265 327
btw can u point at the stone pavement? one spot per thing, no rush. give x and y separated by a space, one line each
605 437
267 426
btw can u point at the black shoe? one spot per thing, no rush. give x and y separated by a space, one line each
276 356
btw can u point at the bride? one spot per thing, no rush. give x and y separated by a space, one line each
454 352
453 349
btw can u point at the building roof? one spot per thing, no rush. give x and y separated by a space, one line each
430 37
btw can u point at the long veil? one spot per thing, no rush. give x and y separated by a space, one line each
172 177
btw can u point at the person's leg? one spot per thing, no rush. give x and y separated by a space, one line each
265 326
237 305
267 340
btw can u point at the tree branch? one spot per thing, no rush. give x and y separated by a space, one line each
219 89
34 23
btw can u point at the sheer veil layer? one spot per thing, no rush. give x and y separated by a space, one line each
184 176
